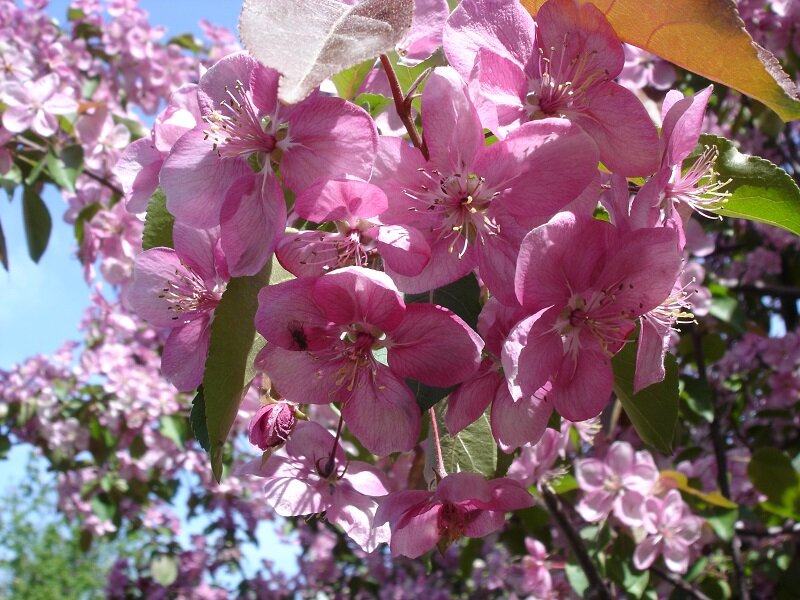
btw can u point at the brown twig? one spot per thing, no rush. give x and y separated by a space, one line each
679 583
402 104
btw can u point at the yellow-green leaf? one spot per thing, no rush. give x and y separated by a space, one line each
706 37
682 483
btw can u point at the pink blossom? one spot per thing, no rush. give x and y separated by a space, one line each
561 66
311 475
584 284
671 529
348 337
619 482
180 289
35 106
463 504
475 203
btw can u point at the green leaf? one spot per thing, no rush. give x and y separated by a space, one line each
164 570
65 167
38 223
188 42
197 419
374 104
34 173
577 578
760 191
427 395
773 474
3 249
349 81
173 428
654 410
85 216
463 297
158 223
473 449
234 345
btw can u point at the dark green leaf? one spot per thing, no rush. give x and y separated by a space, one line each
349 81
197 418
773 474
473 449
10 180
233 348
65 166
3 249
760 190
427 395
654 410
463 297
38 223
158 223
35 171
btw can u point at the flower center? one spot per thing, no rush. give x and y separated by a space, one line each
699 187
561 85
187 295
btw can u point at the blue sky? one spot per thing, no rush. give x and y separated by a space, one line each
41 304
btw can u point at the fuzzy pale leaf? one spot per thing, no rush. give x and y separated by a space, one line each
309 41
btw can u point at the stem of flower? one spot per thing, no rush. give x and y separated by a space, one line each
597 587
403 106
332 458
441 473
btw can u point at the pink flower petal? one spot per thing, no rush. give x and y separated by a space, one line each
185 351
471 399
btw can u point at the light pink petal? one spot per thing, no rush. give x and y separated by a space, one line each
629 508
508 495
340 201
471 399
44 87
625 135
403 249
185 351
646 552
502 26
676 557
293 497
425 35
196 180
515 424
460 487
653 344
328 138
359 295
443 267
434 346
382 412
451 126
355 514
196 249
308 253
582 389
221 78
18 118
366 479
137 171
620 458
310 442
15 95
591 474
44 124
264 88
61 104
251 221
500 85
596 505
532 354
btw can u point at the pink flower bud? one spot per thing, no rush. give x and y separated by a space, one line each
272 424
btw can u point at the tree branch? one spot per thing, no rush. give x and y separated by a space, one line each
403 106
679 583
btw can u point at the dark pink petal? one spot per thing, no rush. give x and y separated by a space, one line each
403 249
264 89
618 122
499 85
516 423
344 200
443 267
185 351
463 486
471 399
196 180
485 522
582 389
288 316
683 123
382 412
418 536
355 514
251 221
532 353
508 495
451 126
497 264
299 376
580 32
310 443
434 346
496 321
137 171
395 507
560 161
502 26
327 138
359 295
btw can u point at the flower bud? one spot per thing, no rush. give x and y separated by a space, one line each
272 424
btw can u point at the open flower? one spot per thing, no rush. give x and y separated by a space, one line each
464 504
348 337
